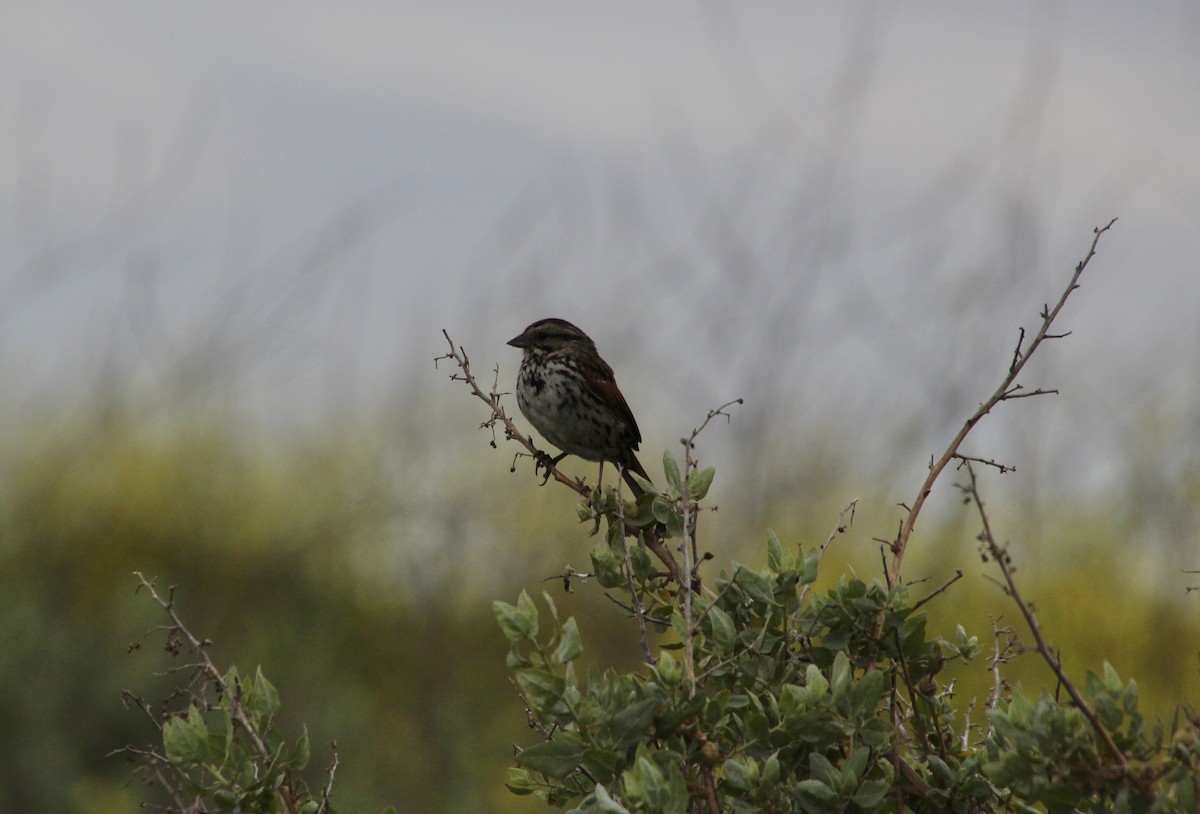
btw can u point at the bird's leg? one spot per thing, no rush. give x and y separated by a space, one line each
600 476
543 460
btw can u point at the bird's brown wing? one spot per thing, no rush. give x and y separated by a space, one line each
611 396
604 384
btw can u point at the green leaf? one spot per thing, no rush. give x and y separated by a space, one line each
675 524
662 510
699 482
817 790
302 752
671 468
941 771
517 622
1130 698
646 485
724 633
741 774
528 612
754 585
840 676
857 761
680 628
875 732
261 699
808 571
516 658
1112 681
570 647
821 769
777 560
870 794
556 758
185 739
678 799
867 693
518 781
645 782
631 723
815 682
608 566
606 804
770 771
549 600
792 699
542 690
642 515
668 669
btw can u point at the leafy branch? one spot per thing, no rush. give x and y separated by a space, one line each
220 747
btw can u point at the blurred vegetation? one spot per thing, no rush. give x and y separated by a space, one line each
305 557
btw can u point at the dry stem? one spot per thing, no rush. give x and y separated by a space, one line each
1004 561
1007 391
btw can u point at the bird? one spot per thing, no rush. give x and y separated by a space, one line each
569 394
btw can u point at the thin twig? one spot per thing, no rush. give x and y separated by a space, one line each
1004 468
838 528
686 548
327 792
1005 392
1004 561
625 606
957 576
691 566
638 612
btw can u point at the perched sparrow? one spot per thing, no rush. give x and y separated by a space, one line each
569 395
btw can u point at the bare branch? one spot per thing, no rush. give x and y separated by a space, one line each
1005 392
1004 561
838 528
957 576
1004 468
327 792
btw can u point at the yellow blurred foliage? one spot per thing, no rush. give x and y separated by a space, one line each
363 588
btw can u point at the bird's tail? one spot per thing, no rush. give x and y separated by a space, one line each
630 466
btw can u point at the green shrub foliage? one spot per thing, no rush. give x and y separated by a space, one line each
764 696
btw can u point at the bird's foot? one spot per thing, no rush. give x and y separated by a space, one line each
543 460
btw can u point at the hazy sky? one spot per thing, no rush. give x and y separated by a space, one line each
834 206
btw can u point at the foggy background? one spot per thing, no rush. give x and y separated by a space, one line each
841 213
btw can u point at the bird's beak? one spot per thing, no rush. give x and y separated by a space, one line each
519 341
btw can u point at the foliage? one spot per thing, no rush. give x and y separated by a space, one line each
780 704
767 699
221 749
